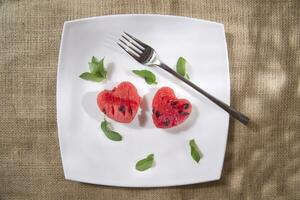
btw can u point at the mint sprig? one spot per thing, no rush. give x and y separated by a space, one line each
145 163
110 134
181 67
195 151
97 71
149 77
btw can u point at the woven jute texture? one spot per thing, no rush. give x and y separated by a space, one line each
262 160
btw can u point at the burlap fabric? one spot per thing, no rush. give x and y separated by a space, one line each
262 160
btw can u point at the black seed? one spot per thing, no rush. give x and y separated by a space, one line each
166 122
130 110
186 106
104 111
173 103
181 112
157 114
184 113
121 109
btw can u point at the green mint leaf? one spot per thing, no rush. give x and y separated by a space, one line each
145 163
97 67
195 152
112 135
93 64
149 77
97 71
91 77
181 67
101 69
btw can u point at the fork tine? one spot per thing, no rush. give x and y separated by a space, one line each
136 45
136 40
131 48
129 52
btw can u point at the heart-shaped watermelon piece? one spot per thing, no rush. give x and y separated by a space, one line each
121 103
169 111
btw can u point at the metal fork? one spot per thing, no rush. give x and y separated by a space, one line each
146 55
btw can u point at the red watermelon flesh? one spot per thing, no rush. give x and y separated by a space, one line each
121 103
169 111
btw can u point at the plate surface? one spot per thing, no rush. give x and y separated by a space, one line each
88 156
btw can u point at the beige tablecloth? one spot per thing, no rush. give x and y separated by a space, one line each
262 160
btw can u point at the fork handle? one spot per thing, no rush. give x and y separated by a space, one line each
234 113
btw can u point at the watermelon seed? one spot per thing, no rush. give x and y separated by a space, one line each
173 103
157 114
130 110
153 110
104 111
122 109
186 106
184 113
181 112
166 122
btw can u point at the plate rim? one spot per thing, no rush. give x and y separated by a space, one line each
139 15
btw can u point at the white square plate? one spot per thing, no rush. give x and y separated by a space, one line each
88 156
